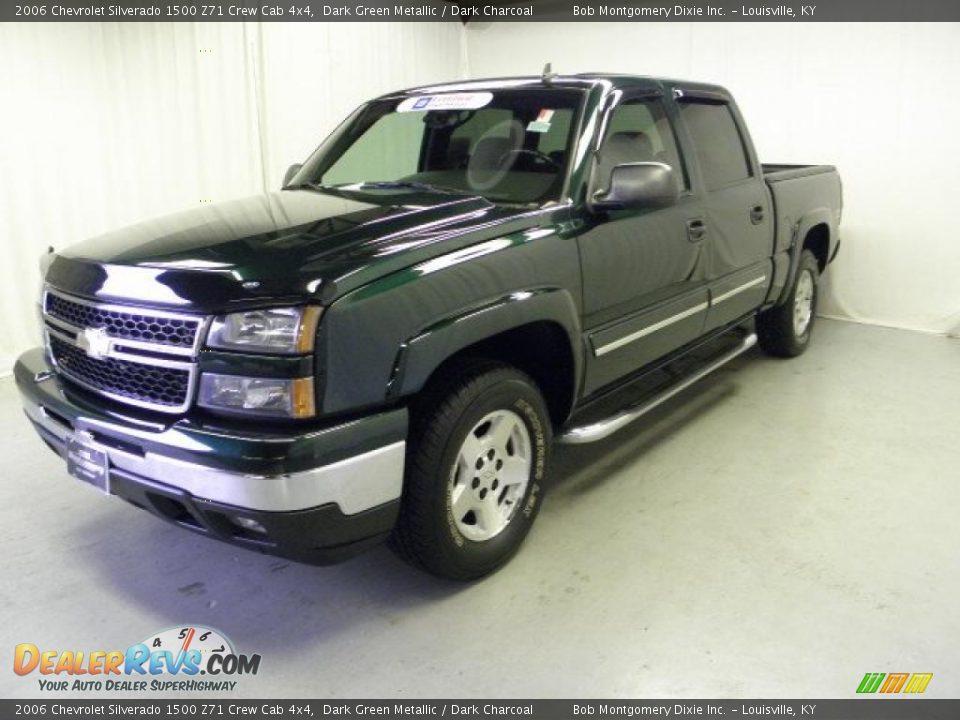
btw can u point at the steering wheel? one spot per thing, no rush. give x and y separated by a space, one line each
536 153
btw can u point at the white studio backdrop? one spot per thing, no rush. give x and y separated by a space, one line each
108 124
104 125
875 99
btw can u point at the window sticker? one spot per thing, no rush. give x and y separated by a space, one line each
542 123
446 101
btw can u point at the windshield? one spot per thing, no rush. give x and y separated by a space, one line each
509 146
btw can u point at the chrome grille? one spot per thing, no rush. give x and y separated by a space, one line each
121 378
125 323
133 355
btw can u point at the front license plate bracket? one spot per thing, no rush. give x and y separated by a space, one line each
88 462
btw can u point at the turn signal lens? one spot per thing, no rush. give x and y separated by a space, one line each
277 397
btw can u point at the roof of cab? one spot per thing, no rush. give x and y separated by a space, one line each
579 80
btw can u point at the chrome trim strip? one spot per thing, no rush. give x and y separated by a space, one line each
63 324
643 332
355 484
649 329
737 290
605 428
112 352
59 336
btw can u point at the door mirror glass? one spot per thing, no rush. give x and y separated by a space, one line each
291 171
638 186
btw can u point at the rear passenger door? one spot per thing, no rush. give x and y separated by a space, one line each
643 284
736 206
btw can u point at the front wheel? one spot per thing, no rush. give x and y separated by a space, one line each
785 330
478 453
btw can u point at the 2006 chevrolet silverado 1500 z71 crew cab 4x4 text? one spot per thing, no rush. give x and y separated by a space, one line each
458 277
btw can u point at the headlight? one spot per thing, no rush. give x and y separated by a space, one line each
278 397
280 330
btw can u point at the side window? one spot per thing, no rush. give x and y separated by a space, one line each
639 131
717 142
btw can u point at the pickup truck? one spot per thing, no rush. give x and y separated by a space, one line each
458 277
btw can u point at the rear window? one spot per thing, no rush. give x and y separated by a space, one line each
717 142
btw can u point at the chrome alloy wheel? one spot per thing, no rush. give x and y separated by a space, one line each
803 303
490 475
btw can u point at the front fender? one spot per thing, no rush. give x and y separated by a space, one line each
381 341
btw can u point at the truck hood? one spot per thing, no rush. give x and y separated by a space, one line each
282 246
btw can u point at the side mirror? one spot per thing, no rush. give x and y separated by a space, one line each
639 185
291 171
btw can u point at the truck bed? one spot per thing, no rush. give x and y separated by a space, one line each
777 172
812 193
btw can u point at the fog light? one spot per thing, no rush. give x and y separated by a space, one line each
248 524
285 397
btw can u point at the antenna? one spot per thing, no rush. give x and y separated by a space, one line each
548 74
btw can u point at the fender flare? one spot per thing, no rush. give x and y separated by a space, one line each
422 354
817 216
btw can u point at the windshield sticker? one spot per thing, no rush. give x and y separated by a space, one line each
542 123
447 101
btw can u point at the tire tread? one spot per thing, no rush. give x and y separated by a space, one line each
439 407
775 325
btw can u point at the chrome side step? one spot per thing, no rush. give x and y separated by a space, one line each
605 428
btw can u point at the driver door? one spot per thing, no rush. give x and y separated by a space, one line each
644 290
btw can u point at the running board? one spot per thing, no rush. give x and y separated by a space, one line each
606 428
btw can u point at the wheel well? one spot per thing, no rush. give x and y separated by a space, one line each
540 349
817 241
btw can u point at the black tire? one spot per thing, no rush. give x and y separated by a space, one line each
776 330
427 534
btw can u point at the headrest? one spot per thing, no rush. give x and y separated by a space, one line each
623 147
628 147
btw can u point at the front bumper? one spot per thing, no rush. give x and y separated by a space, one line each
319 495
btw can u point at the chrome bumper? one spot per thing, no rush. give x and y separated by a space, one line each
356 465
355 484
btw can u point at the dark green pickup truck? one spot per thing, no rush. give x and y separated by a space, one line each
458 277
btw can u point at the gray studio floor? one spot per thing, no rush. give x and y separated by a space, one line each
779 530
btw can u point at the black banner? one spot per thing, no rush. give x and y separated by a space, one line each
874 708
466 11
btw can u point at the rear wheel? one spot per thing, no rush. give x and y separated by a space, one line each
475 469
785 330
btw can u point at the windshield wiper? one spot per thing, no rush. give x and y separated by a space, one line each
308 186
387 184
380 184
411 185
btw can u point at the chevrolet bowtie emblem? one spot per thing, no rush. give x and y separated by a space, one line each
94 342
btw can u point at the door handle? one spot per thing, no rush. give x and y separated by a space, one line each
756 214
696 230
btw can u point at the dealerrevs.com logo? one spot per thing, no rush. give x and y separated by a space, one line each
172 660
